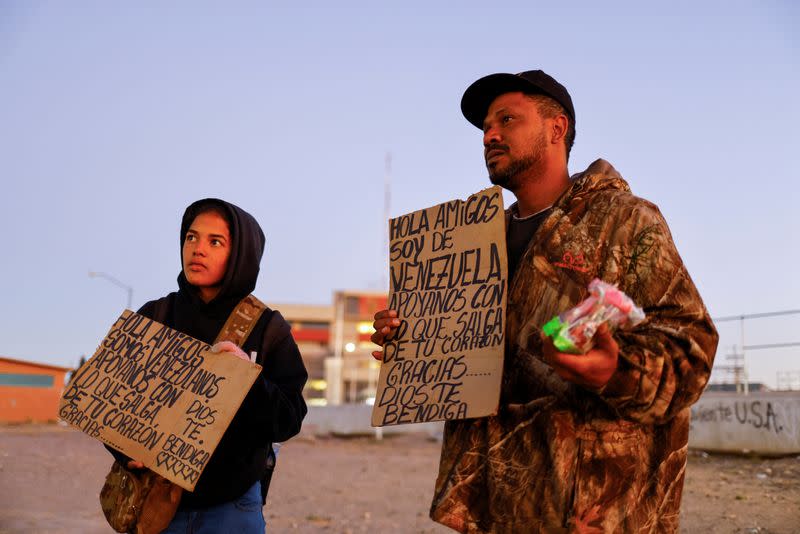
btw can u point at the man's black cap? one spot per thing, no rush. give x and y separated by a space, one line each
478 96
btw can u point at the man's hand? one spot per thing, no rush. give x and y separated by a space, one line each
385 325
593 369
133 464
230 348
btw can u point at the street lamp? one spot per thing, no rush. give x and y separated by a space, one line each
129 289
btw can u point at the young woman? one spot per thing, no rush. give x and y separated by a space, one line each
221 248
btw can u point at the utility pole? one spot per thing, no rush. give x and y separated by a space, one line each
738 368
387 203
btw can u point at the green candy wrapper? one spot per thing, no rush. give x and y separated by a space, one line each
572 331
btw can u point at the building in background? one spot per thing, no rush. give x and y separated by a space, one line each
335 343
311 328
29 391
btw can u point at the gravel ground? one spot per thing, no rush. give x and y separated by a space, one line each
50 477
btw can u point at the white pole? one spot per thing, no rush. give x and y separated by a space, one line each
387 202
744 366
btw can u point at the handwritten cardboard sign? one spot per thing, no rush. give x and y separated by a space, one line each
157 395
448 272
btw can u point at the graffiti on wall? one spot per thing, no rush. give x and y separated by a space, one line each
759 414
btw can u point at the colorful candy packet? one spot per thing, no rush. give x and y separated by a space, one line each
572 331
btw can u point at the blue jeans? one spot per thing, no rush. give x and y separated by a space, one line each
243 515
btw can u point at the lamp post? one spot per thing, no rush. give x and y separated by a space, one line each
129 289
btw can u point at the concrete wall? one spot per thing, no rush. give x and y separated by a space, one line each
354 420
765 423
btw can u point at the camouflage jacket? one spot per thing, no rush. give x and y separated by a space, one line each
558 457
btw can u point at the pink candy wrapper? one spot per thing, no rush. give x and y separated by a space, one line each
572 331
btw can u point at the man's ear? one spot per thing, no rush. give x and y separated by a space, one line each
559 128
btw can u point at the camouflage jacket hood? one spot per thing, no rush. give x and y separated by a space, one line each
558 457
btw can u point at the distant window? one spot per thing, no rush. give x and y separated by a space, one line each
351 306
25 380
313 325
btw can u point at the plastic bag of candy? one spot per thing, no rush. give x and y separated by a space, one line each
572 331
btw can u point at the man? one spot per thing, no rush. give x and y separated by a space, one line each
586 443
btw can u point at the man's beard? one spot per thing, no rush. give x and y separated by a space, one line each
508 177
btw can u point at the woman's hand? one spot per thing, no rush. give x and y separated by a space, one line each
230 348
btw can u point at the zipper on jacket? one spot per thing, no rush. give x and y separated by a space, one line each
569 512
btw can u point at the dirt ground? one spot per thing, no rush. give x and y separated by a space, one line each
50 477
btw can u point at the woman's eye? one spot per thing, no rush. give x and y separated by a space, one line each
189 238
216 242
506 119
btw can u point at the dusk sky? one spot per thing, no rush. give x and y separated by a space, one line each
114 117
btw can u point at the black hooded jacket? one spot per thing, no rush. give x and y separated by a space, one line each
273 409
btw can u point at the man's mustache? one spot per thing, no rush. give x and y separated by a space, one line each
494 146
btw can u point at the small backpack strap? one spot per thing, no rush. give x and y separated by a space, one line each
241 321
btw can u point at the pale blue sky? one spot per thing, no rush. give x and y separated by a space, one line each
114 117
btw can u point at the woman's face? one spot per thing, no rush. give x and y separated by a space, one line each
206 249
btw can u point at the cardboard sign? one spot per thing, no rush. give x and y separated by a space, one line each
158 396
449 275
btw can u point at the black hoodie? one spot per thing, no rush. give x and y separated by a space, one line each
274 407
